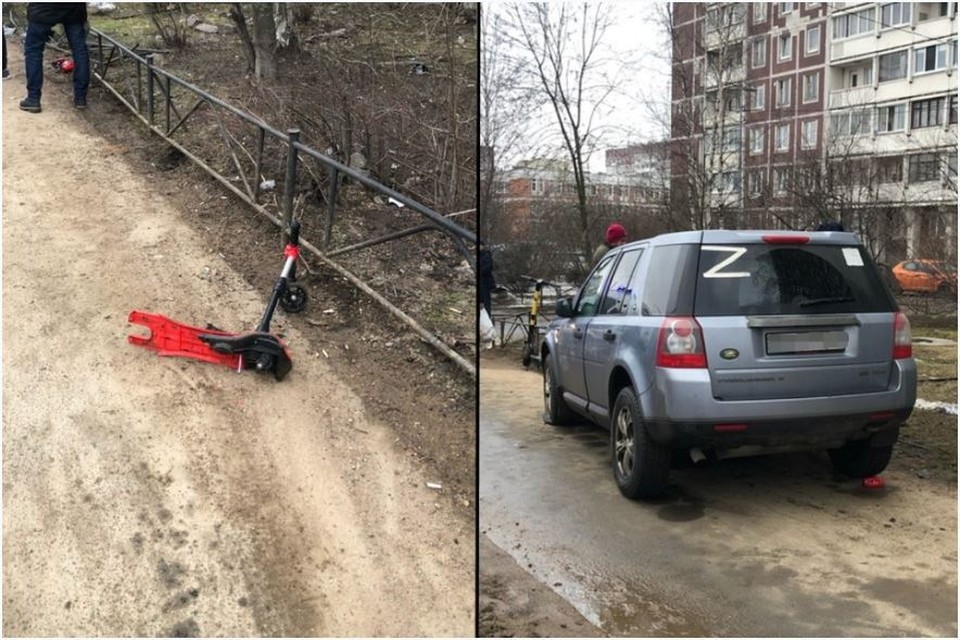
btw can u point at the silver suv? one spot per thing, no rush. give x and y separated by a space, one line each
719 344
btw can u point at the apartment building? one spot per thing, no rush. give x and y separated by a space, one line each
789 113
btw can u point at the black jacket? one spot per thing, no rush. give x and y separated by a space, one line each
485 269
57 12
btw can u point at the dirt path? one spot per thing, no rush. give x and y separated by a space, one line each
149 496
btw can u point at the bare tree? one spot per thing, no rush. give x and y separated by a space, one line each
506 104
272 32
565 46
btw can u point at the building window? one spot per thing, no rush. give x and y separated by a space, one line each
784 89
808 134
758 139
952 167
953 109
893 66
784 47
891 118
850 123
729 181
759 12
926 113
894 14
536 185
785 8
759 97
724 16
813 40
758 53
854 24
755 179
932 58
781 180
924 167
731 138
782 139
811 87
890 169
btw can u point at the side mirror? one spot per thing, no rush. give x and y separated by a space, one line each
564 308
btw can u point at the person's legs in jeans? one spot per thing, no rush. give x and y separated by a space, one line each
33 44
77 37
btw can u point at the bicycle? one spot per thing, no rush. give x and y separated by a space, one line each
531 347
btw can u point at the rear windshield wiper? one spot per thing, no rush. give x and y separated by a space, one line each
816 301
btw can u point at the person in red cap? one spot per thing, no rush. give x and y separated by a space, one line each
615 236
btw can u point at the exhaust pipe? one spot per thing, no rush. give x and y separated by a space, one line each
697 456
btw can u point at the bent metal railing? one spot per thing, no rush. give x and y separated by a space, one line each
137 83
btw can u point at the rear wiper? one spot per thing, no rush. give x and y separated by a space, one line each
816 301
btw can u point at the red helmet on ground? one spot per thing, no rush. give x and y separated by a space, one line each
616 233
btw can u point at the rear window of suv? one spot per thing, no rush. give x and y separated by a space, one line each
766 279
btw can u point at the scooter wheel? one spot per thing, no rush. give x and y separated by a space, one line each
526 356
294 299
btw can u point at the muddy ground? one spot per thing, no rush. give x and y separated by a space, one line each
149 496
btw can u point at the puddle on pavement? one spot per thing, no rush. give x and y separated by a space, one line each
638 613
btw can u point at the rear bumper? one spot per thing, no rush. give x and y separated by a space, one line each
680 411
801 433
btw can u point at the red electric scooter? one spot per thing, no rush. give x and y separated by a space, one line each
259 349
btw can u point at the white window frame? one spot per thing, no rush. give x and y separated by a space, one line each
809 131
759 12
903 11
781 140
811 80
755 182
884 114
758 45
760 97
920 56
758 140
781 38
864 22
812 41
784 98
785 8
780 177
906 69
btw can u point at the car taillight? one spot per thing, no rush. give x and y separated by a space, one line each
789 239
680 344
902 340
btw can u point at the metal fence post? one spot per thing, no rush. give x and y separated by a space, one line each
289 181
149 58
331 204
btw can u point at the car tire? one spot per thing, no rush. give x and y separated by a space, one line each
860 459
556 411
641 467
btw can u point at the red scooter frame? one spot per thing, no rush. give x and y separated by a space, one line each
259 349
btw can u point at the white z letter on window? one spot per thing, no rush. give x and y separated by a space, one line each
718 270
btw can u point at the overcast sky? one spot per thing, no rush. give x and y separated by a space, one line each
634 57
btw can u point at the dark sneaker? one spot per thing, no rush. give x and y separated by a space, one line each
33 106
6 73
80 104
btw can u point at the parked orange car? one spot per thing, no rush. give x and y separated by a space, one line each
926 276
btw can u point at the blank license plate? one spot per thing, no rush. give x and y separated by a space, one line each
806 342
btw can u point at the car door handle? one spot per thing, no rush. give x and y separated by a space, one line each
609 335
577 333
